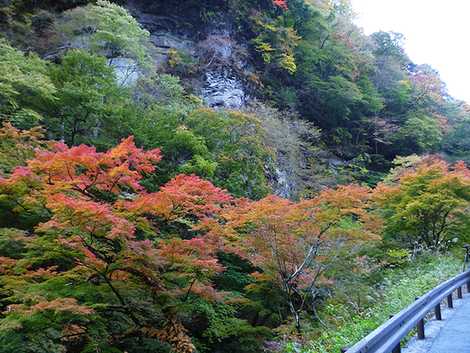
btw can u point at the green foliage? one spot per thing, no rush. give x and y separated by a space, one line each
224 332
25 88
419 134
12 243
180 63
16 147
236 275
236 141
275 42
397 257
109 30
45 331
398 289
244 338
165 90
456 142
427 206
358 169
312 68
400 165
225 147
88 98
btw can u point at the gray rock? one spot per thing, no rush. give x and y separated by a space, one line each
284 183
126 70
223 89
220 82
169 40
223 85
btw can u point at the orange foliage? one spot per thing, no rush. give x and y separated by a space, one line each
281 4
168 240
42 273
175 334
283 229
82 189
59 305
6 264
291 242
72 332
82 169
194 253
84 217
184 195
427 204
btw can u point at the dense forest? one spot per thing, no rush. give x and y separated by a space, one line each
211 176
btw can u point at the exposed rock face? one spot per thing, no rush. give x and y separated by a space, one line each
166 32
223 86
164 41
220 75
126 70
223 89
284 185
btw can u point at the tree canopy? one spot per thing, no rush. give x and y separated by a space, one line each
138 216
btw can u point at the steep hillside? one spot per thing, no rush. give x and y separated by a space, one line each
307 60
217 176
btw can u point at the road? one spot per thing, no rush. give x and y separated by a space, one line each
451 335
454 337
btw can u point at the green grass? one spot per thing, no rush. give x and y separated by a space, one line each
399 289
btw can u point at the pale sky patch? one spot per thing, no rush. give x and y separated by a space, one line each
437 33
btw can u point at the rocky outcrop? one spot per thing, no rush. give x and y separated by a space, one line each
225 61
219 77
223 89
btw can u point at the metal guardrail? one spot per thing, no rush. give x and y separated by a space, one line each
387 337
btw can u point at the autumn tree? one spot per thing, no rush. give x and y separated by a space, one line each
108 251
17 146
97 224
293 242
427 205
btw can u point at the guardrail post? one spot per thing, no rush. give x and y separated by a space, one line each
420 328
450 303
437 312
392 333
397 349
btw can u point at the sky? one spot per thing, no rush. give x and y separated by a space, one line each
437 33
